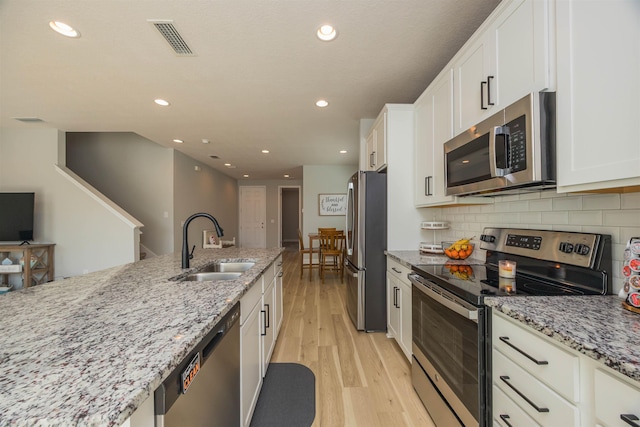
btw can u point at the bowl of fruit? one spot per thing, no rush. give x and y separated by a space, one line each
460 249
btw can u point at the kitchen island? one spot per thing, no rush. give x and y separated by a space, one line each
89 350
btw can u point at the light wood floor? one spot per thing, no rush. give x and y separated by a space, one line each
362 379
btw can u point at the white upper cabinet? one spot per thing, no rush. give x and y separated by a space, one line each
377 144
434 127
598 100
508 57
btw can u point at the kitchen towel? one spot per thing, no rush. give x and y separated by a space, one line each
287 398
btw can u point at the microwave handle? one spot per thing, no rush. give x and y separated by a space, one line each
501 155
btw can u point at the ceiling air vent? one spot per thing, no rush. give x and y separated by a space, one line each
172 36
214 157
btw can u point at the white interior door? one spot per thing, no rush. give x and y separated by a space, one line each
253 216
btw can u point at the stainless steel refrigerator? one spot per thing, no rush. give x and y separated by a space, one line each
366 241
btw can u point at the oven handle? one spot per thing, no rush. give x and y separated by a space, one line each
452 304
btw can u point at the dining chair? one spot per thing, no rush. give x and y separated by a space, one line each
323 229
331 253
309 255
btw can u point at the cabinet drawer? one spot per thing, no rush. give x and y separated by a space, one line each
553 410
398 270
506 412
268 276
277 265
562 370
613 398
250 300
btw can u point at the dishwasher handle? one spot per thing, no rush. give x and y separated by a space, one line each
231 318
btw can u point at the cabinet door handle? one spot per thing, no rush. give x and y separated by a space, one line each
505 379
396 270
264 313
630 419
482 107
504 418
371 164
268 315
534 360
396 298
489 102
427 186
280 274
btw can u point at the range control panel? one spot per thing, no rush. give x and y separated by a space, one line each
527 242
559 246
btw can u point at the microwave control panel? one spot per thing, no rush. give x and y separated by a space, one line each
517 136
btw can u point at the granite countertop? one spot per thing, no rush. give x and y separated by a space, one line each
88 350
596 326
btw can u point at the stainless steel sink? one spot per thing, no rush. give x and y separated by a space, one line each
212 276
229 267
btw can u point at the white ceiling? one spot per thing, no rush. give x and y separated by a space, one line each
257 71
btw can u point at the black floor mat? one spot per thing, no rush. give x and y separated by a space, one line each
287 398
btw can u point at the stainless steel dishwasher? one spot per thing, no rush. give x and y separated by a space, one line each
204 390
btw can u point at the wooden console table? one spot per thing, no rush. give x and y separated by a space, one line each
41 271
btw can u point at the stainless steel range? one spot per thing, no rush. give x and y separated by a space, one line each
451 324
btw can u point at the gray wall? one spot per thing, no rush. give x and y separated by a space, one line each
88 236
158 185
204 190
137 174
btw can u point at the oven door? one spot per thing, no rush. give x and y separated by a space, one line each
448 346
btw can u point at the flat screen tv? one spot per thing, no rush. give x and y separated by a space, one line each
16 217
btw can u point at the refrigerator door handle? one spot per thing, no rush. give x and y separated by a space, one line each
349 230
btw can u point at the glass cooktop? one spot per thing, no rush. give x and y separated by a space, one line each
473 282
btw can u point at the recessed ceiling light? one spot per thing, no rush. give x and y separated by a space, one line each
265 151
161 102
343 151
322 103
286 176
227 164
245 175
64 29
178 141
205 141
326 33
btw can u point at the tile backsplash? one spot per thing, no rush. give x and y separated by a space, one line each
615 214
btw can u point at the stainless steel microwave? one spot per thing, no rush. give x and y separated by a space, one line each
511 151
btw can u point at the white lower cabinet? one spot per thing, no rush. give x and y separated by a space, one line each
615 399
399 305
259 328
267 325
250 356
538 381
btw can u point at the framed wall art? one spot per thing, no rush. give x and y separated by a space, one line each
332 204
